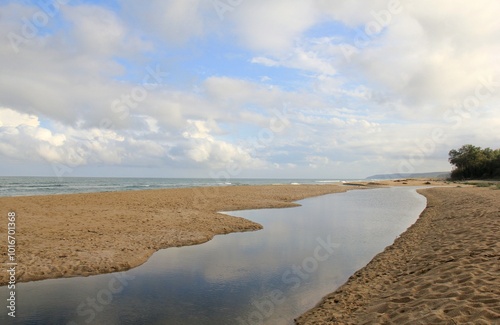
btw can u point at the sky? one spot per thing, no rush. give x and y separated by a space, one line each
330 89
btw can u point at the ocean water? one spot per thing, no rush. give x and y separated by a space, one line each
17 186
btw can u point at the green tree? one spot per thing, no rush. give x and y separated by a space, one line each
495 164
473 162
465 160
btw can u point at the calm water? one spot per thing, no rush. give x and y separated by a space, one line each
15 186
265 277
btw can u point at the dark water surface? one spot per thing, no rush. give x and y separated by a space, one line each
264 277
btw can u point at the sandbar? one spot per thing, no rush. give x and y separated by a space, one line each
92 233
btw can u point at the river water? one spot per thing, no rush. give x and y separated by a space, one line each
268 276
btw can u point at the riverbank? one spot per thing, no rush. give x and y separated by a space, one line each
442 270
92 233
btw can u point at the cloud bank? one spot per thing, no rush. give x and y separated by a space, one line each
314 89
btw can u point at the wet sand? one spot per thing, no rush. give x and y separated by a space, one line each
443 270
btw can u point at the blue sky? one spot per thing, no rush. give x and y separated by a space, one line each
276 88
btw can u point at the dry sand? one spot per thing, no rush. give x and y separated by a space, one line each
445 269
85 234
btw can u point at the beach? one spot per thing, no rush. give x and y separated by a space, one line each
443 270
93 233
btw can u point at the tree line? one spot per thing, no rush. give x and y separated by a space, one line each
473 162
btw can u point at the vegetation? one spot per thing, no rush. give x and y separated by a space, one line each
484 184
472 162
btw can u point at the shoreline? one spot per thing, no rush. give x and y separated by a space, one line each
84 234
441 270
72 188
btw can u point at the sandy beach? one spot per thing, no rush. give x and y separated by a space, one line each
93 233
442 270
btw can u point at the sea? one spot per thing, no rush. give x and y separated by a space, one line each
25 186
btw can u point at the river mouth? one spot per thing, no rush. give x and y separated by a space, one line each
268 276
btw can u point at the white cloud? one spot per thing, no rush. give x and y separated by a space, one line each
99 31
21 135
175 21
431 65
307 59
272 26
47 136
315 161
203 147
197 130
422 61
429 58
152 124
230 95
265 61
356 13
11 118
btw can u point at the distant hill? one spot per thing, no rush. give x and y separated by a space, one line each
410 175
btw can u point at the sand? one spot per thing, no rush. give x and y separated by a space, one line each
442 270
445 269
85 234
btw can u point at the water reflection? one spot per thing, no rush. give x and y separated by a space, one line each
264 277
